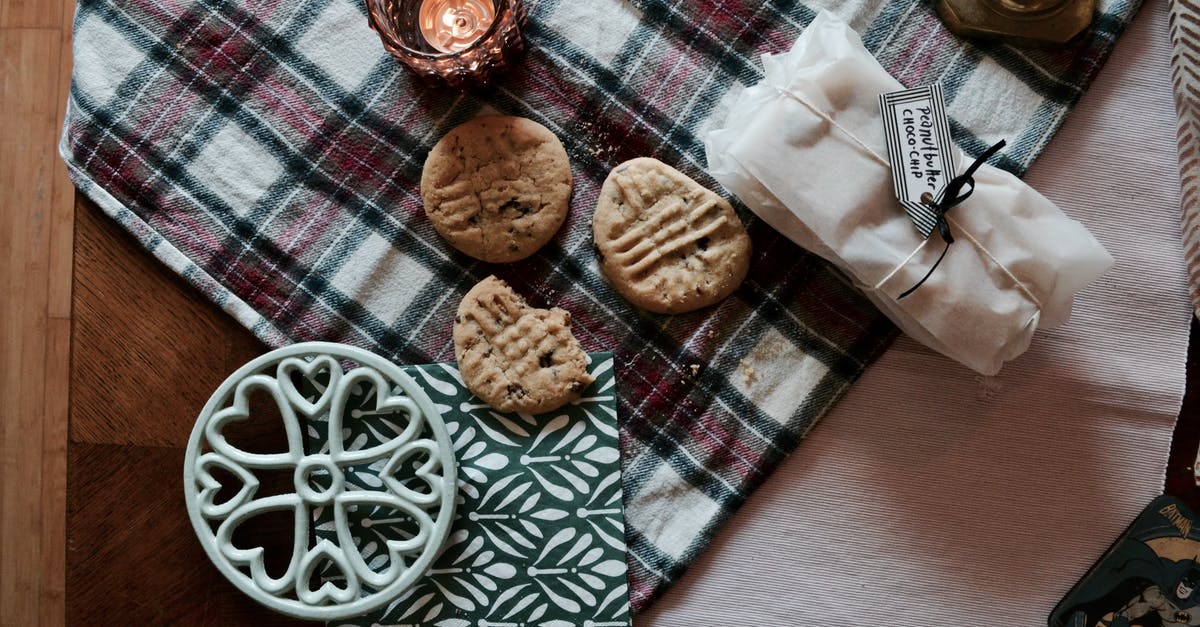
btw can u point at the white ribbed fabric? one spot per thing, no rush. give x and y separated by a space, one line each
933 497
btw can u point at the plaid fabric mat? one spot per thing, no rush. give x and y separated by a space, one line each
269 152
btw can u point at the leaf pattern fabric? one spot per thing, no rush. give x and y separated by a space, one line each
539 530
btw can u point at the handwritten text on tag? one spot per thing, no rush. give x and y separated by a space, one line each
919 148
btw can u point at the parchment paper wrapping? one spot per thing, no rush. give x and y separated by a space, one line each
805 150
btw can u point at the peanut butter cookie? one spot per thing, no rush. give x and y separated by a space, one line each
514 357
497 187
665 243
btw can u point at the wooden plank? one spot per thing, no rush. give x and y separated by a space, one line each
137 560
52 604
30 14
62 217
148 348
27 131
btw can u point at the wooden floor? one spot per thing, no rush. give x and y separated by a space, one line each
147 350
125 448
36 205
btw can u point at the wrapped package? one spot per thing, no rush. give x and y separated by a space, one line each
805 149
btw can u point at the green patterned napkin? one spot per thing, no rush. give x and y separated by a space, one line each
539 530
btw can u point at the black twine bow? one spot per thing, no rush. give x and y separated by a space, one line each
952 195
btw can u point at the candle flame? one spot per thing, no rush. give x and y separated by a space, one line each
454 25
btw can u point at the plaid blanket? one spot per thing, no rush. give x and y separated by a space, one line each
269 152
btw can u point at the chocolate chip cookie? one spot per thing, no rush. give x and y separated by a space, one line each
664 242
497 187
514 357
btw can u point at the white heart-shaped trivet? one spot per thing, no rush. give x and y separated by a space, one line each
319 480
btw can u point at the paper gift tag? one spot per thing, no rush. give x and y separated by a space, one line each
920 150
1150 575
539 533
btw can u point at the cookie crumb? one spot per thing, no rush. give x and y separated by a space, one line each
747 372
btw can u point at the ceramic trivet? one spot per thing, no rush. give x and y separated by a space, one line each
415 466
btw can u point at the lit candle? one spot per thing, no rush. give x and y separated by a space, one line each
462 42
453 25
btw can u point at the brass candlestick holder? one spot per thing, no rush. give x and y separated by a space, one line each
1023 22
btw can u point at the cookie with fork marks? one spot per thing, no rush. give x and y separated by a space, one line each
497 187
664 242
514 357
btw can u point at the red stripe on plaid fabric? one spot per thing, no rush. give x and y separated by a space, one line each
193 231
591 330
359 161
930 34
161 15
624 122
789 272
299 113
725 448
258 285
310 224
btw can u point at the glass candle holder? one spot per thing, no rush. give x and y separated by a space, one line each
464 43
